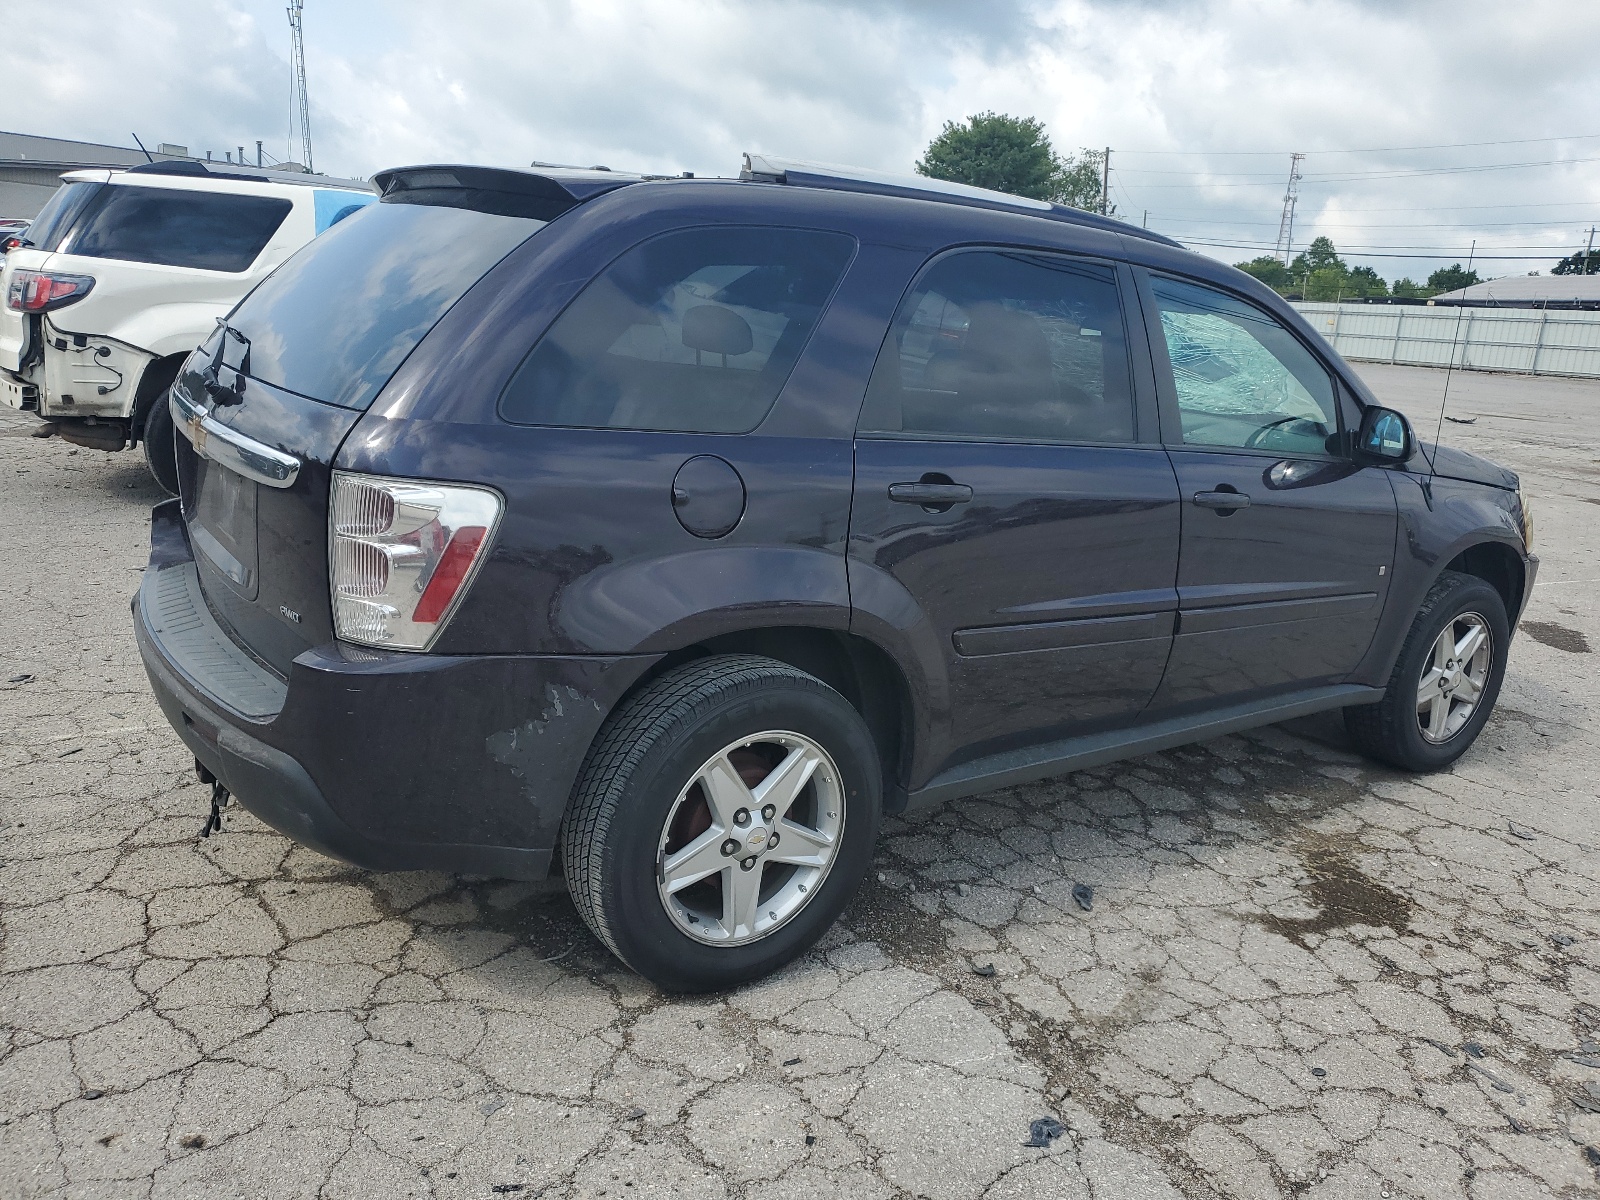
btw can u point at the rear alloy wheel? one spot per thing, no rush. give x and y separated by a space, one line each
1445 682
751 839
724 817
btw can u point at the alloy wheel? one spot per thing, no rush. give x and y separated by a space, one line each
750 838
1453 677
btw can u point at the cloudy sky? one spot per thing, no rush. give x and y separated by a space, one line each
1427 124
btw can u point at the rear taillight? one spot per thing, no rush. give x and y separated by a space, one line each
402 555
45 291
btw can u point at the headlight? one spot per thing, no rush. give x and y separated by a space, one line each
1526 511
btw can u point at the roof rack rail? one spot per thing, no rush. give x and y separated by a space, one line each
767 168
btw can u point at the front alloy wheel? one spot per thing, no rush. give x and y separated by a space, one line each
1445 681
750 840
1454 676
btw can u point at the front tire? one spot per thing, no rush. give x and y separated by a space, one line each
723 819
1445 682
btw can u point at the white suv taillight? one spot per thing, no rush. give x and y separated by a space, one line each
46 291
402 552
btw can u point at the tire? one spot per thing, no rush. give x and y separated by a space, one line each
160 451
1392 731
664 784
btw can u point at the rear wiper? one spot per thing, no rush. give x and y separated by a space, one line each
239 365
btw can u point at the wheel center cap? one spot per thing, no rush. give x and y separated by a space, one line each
756 840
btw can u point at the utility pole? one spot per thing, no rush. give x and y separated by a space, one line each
1286 222
1587 254
296 12
1105 184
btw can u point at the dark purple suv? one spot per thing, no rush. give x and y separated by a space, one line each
666 533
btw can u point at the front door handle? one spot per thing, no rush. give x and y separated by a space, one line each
930 495
1223 502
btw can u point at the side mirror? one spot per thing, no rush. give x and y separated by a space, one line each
1385 436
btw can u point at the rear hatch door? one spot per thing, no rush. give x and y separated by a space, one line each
59 216
264 405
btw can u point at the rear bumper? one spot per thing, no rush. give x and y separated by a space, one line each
390 761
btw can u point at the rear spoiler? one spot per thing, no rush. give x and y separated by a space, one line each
195 169
542 195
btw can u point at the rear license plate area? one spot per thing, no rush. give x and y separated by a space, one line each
221 511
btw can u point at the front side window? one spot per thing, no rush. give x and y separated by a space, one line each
1243 381
1008 345
211 231
693 331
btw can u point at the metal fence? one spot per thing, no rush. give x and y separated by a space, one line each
1525 340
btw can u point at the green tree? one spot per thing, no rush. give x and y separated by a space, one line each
1584 262
1327 283
1450 279
1409 289
1270 271
1013 155
1364 282
1319 256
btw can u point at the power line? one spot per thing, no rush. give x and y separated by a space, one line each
1376 173
1376 224
1378 254
1579 137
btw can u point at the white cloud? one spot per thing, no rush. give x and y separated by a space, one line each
687 84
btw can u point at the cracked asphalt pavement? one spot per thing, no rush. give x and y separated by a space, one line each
1300 974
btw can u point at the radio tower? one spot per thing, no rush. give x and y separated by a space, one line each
296 10
1285 222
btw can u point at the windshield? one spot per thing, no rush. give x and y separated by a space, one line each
60 213
337 320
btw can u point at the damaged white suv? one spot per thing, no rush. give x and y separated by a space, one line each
123 273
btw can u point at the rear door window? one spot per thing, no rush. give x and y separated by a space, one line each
1007 345
693 331
210 231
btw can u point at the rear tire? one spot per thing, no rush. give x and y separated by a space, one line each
160 450
731 751
1445 682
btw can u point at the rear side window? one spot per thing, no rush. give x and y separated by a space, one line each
211 231
60 213
337 320
1009 345
693 331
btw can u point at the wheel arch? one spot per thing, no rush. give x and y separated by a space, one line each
153 384
860 670
1498 565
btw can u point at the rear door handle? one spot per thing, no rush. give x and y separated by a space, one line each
1224 502
930 494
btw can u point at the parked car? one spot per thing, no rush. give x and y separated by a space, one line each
12 231
668 533
123 273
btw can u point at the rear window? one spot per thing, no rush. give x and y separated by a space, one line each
337 320
692 331
211 231
59 214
